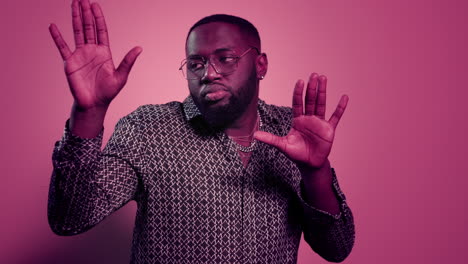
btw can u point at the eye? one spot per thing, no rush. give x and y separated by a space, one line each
195 65
227 59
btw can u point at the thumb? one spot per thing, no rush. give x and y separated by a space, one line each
127 63
271 139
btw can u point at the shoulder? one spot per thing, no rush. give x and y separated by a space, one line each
278 117
152 114
156 111
278 112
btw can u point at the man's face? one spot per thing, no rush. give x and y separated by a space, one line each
222 98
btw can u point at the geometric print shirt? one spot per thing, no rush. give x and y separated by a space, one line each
196 202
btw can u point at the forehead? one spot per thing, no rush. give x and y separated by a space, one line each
208 38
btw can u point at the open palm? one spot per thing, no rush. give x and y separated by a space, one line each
90 70
311 137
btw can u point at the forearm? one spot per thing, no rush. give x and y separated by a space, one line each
331 238
318 189
84 186
74 194
330 233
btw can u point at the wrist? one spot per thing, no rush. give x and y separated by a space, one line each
309 172
87 123
89 110
317 180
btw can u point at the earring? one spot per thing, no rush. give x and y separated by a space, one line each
261 77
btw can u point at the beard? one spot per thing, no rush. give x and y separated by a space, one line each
220 117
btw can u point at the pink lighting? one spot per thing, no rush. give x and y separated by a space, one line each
399 153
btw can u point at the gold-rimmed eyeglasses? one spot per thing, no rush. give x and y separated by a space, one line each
223 61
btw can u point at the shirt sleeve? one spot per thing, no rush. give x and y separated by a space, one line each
330 236
88 184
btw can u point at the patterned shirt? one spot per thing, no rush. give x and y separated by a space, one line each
196 202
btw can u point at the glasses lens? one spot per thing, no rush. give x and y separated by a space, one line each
225 63
195 68
192 69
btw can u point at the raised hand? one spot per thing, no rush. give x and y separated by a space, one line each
310 139
90 71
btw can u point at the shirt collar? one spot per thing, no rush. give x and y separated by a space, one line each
190 109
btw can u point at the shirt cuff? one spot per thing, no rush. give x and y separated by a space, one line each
318 215
73 145
69 137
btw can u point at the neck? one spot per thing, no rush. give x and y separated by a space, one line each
244 125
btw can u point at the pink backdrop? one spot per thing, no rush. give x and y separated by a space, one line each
400 148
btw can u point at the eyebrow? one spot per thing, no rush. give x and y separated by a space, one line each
195 56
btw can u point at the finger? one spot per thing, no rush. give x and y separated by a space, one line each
271 139
88 22
101 28
127 63
77 24
311 94
297 104
322 97
335 118
59 42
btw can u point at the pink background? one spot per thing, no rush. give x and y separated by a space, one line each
400 150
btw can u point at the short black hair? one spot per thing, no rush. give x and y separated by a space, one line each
245 26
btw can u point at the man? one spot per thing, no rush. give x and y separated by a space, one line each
222 177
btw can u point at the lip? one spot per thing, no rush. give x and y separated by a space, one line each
215 96
214 92
211 88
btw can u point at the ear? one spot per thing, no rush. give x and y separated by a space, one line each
262 65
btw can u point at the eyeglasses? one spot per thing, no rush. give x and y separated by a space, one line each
224 62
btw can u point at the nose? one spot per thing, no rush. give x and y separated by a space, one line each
210 74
